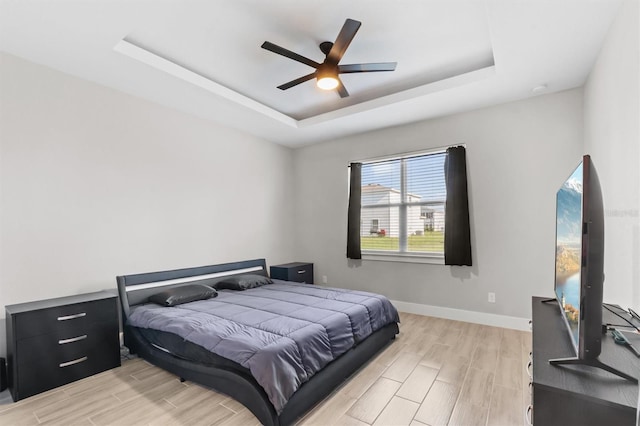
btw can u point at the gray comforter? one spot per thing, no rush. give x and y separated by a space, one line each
283 333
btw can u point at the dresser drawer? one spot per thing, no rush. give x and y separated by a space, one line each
300 272
70 319
52 342
48 361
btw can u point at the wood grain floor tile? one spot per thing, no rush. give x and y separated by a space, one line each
104 382
371 404
399 411
363 380
418 383
454 369
329 411
466 345
485 358
137 411
32 404
22 416
465 414
451 337
347 420
509 373
130 367
402 366
436 356
193 391
154 387
511 344
437 406
390 353
244 418
195 411
506 407
420 343
490 336
72 409
232 404
477 386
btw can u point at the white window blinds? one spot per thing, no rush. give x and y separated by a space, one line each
402 205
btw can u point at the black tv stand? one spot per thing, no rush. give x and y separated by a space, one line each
592 363
579 394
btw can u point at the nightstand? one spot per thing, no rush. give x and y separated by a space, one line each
57 341
300 272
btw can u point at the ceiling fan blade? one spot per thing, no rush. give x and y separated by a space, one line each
289 54
347 33
342 91
297 81
371 67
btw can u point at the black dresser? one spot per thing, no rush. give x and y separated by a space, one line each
300 272
56 341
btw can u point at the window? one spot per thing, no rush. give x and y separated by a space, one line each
403 200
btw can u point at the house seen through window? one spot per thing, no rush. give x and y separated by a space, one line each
402 208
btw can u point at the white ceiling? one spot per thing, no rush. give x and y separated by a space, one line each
204 57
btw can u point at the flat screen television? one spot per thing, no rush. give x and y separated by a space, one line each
579 276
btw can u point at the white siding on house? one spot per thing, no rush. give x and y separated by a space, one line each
388 217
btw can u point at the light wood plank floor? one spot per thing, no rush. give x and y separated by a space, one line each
437 372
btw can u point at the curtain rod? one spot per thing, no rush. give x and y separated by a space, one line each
407 154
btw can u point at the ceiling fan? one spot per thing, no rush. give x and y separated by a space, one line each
327 73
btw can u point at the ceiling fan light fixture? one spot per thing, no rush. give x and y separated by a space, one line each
327 82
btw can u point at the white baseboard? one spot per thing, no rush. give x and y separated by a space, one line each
484 318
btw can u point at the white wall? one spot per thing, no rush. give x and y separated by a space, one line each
612 137
518 155
96 183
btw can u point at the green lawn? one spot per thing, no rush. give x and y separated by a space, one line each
430 241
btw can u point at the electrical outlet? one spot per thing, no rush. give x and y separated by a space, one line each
491 298
324 279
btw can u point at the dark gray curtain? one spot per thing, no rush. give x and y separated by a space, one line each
353 220
457 232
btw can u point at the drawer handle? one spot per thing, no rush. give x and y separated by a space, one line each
71 340
75 361
528 415
528 369
74 316
302 271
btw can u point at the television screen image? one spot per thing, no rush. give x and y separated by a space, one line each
569 250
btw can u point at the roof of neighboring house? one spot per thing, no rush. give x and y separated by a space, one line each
375 187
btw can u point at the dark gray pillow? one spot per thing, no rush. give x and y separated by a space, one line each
184 294
243 282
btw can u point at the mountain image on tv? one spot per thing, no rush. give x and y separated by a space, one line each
569 226
568 248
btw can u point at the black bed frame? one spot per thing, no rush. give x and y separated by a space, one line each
236 382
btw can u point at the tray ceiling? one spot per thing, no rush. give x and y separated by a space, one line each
204 58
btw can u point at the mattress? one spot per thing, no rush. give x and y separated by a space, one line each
283 333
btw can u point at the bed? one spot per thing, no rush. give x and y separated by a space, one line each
313 318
